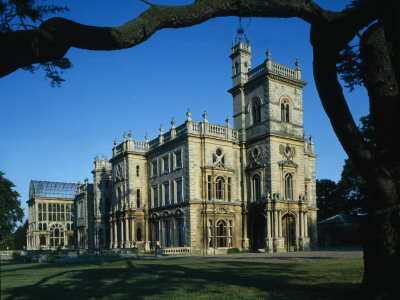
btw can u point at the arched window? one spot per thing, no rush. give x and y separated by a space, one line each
220 188
289 186
137 198
56 235
256 111
236 68
221 234
285 111
256 188
137 171
139 232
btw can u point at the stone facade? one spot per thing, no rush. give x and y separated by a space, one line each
202 188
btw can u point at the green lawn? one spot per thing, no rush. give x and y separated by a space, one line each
180 279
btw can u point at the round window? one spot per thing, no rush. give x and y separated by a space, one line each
219 152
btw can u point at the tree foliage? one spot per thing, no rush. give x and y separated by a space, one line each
17 15
19 236
350 195
10 211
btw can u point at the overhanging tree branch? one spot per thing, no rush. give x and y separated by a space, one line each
55 36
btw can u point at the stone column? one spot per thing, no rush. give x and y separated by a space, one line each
115 233
111 224
301 224
280 222
268 240
132 230
121 228
305 224
127 233
276 233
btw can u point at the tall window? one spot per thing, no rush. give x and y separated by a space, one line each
44 212
256 188
285 111
236 68
179 197
219 188
180 233
137 171
256 111
39 212
230 234
178 159
166 194
210 234
221 234
288 186
157 231
154 164
167 233
137 198
155 197
166 164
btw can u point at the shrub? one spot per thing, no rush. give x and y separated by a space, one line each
54 257
16 255
233 250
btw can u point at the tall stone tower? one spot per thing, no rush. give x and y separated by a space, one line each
278 163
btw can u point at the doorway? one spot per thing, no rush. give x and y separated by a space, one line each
289 232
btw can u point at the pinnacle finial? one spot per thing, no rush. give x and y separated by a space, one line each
125 135
188 114
147 137
297 63
130 134
161 129
311 139
227 120
268 53
115 142
205 116
173 122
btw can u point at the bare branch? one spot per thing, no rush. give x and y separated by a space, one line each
148 3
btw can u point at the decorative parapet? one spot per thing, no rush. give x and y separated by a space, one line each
101 165
202 129
274 68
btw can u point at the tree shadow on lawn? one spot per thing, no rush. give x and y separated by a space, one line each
139 279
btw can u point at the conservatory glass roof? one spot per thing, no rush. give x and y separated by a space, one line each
51 189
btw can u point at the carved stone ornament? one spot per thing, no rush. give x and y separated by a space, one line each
287 151
119 175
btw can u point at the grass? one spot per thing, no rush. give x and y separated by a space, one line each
179 278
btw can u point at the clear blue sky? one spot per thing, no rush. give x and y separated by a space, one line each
54 133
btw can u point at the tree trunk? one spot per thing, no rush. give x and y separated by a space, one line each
381 231
381 235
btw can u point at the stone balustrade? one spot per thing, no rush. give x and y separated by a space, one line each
283 70
272 67
176 251
189 127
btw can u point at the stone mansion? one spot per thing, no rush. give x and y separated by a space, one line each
198 188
